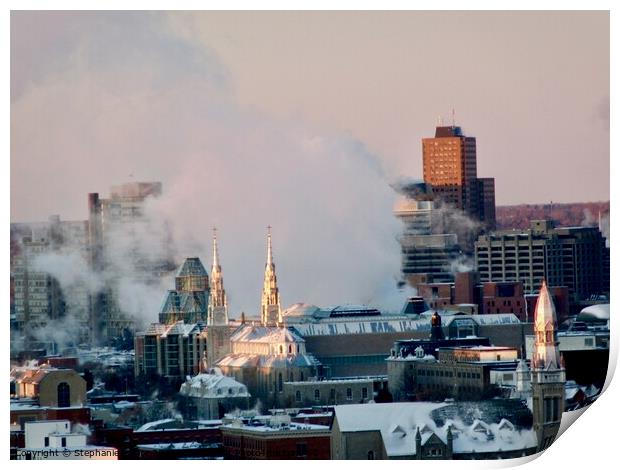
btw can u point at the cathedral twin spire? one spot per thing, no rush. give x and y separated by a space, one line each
271 312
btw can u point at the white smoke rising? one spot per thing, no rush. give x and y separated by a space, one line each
462 264
605 229
170 115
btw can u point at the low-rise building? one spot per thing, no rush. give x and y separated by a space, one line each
492 429
210 396
334 391
50 386
56 440
275 437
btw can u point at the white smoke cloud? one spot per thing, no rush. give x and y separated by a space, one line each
164 110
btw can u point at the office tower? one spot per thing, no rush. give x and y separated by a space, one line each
427 253
450 166
575 257
117 228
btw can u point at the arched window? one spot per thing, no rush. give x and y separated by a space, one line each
290 349
281 350
371 455
317 394
298 396
64 395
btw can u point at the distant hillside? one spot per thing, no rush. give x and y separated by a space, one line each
564 215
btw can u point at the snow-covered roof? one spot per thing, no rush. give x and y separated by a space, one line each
475 426
594 312
300 309
256 360
394 323
179 328
155 425
265 334
213 386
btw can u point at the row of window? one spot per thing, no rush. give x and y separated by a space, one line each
332 394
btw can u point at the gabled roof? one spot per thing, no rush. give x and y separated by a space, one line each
485 426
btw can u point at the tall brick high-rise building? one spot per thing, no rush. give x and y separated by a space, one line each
450 167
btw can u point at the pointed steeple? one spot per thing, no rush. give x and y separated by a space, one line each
269 249
216 258
218 303
546 352
271 313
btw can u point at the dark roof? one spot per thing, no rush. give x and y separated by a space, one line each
192 267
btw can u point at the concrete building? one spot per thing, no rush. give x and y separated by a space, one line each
116 228
355 341
172 350
457 372
488 297
573 257
334 391
427 252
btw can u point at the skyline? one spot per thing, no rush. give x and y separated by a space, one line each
385 91
245 130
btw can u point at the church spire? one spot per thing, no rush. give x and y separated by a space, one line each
218 303
216 258
270 301
269 249
545 325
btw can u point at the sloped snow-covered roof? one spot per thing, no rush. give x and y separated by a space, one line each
475 426
265 334
594 312
178 328
300 309
213 386
393 323
276 361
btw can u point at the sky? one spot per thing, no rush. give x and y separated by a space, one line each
301 120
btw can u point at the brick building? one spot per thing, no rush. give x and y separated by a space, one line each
276 439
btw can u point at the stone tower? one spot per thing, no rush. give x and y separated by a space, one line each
271 313
218 303
548 375
218 331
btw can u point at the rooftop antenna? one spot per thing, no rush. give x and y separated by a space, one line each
453 119
439 121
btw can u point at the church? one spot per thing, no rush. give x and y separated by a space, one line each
264 356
